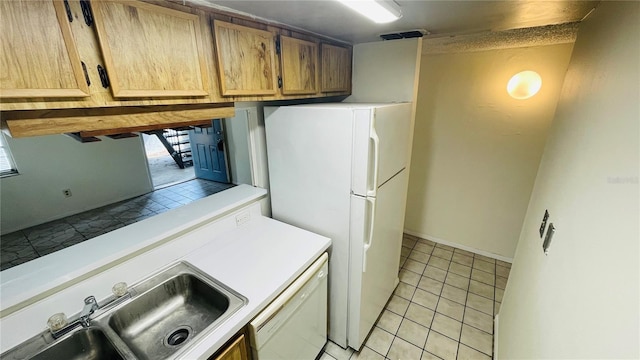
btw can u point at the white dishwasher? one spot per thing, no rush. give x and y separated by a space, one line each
294 325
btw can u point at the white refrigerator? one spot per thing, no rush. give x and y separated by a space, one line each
340 170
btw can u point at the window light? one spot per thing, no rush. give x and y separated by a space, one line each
380 11
524 85
7 166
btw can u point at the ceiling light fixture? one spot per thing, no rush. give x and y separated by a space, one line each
524 85
380 11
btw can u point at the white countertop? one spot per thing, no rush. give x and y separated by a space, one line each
258 261
256 256
20 283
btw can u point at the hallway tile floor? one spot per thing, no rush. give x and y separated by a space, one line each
27 244
443 307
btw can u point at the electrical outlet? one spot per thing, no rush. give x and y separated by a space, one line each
243 218
67 192
544 222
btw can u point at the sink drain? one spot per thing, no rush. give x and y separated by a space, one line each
178 336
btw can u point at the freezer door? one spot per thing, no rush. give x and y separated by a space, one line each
376 241
381 146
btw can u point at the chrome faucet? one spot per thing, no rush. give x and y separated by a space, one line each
58 325
90 305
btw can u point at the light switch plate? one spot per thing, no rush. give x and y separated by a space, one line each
547 240
544 222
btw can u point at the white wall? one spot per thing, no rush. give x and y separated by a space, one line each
237 136
476 149
97 173
248 149
385 71
582 300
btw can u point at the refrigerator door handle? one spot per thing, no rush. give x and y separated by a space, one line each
372 218
376 153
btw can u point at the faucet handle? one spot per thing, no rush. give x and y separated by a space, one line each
90 300
57 322
120 289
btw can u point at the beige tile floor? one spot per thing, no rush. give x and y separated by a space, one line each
443 307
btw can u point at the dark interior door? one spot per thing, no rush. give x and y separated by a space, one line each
208 151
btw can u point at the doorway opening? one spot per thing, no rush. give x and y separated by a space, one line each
169 156
182 154
209 152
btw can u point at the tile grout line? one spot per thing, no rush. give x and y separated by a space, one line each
469 346
464 310
30 243
435 311
493 316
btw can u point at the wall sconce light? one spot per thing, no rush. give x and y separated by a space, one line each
379 11
524 85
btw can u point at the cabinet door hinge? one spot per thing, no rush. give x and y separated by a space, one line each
86 74
86 12
68 9
278 45
280 82
104 77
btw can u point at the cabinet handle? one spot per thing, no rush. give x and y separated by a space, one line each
86 74
86 12
104 77
68 9
279 82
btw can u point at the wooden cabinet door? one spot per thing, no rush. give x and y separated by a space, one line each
150 51
246 60
39 57
236 351
336 68
299 64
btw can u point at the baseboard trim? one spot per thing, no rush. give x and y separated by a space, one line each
495 337
460 246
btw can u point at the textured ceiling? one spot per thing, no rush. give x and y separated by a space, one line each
330 18
507 39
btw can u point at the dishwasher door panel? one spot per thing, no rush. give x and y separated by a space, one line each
294 325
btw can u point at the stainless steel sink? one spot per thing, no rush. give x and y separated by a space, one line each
90 343
165 313
179 304
85 343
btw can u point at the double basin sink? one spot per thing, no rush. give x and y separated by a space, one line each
164 315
